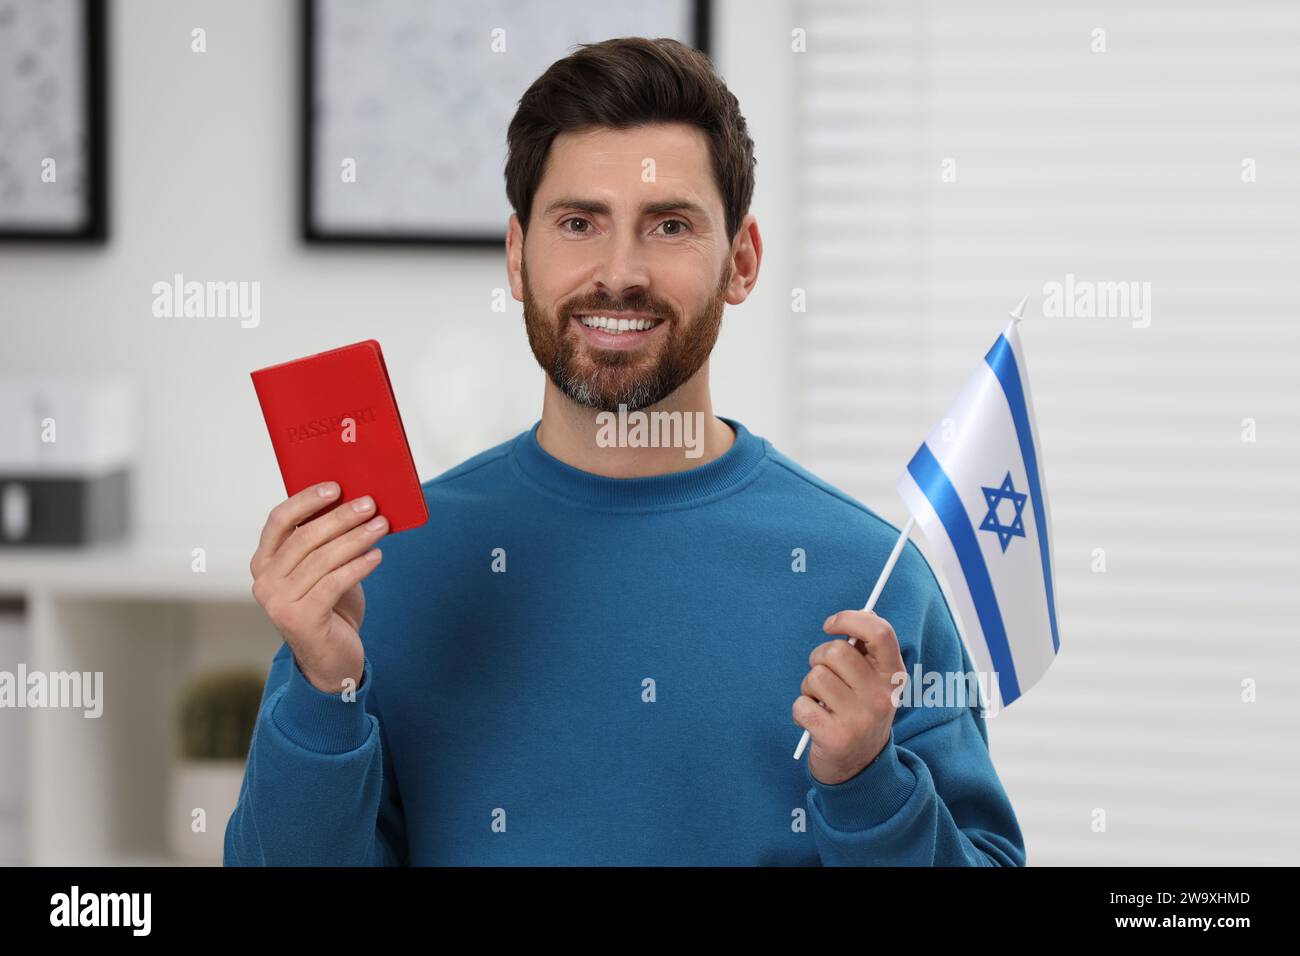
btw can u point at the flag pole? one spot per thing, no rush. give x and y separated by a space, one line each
871 603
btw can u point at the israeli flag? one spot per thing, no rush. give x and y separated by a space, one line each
976 488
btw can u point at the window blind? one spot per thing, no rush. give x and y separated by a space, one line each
951 158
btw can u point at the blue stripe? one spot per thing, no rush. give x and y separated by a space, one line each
1002 359
937 488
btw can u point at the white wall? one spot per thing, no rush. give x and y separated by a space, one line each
204 182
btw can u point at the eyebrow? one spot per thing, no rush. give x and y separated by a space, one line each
599 208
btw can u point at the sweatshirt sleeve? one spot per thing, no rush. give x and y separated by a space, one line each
932 796
316 791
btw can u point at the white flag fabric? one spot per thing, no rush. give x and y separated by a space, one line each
976 488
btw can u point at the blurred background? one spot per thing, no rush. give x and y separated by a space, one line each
1133 170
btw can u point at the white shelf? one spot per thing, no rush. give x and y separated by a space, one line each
97 788
136 569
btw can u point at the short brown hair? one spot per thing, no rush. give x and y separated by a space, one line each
623 83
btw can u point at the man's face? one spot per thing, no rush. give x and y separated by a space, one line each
627 231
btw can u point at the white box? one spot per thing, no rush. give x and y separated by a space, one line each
92 423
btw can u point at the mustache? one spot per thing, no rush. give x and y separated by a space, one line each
639 305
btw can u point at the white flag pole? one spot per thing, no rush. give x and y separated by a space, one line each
871 603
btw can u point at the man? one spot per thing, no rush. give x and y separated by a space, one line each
601 650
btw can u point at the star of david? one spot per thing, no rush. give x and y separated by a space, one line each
994 497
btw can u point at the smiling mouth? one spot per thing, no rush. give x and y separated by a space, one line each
618 325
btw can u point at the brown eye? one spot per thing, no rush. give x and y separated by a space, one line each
574 219
669 222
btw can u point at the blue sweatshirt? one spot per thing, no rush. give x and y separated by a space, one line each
568 669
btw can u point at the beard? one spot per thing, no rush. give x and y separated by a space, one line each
604 379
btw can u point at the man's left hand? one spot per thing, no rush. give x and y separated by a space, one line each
856 684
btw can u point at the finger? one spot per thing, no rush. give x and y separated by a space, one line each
290 513
869 628
334 585
848 664
306 538
886 652
332 555
287 515
823 684
809 715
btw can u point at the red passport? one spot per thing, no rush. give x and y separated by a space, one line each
307 404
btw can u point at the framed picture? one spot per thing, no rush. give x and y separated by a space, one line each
406 105
53 122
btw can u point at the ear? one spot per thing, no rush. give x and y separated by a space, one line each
515 257
746 257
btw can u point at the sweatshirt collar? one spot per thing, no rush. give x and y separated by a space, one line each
725 474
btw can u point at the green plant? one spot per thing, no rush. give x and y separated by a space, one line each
218 712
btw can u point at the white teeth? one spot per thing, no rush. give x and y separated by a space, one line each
610 324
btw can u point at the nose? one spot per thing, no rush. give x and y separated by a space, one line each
621 269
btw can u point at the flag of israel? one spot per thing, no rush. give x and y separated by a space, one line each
976 488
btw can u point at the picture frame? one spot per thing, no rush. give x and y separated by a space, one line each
383 118
54 121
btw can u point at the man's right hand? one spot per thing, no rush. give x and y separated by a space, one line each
307 577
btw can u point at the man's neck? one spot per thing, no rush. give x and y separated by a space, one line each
577 435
